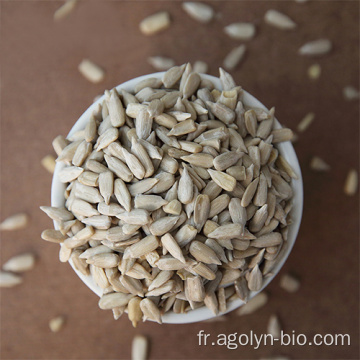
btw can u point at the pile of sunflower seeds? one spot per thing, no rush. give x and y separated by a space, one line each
177 196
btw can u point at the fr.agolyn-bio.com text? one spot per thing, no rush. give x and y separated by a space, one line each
234 340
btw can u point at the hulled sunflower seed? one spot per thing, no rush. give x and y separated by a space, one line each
135 217
240 31
8 279
279 20
161 63
135 315
306 122
289 283
185 188
150 310
241 289
222 112
58 214
199 11
139 347
201 211
155 23
314 71
194 288
254 304
274 327
163 225
64 10
319 164
234 57
228 231
54 236
20 263
225 181
57 323
316 47
227 159
170 244
143 247
106 185
200 67
149 202
350 93
351 183
114 300
92 72
203 253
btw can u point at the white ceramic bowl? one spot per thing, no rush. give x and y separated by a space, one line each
286 149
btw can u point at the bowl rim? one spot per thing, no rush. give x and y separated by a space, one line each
286 149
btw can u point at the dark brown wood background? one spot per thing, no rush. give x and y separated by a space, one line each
42 96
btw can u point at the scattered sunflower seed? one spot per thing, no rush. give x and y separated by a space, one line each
20 263
319 164
279 20
161 63
274 327
200 67
15 222
139 348
289 283
8 279
316 48
234 57
350 93
254 304
57 323
155 23
240 31
314 71
199 11
92 72
351 183
65 9
306 122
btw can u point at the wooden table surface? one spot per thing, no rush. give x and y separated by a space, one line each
42 96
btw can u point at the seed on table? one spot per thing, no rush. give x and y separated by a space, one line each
139 348
201 67
253 304
240 31
316 47
279 20
351 183
314 71
155 23
161 63
20 263
306 122
234 57
91 71
274 327
289 283
199 11
350 93
14 222
8 279
319 164
64 10
57 323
